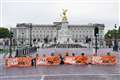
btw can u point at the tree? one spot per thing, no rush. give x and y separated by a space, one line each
110 35
4 33
119 32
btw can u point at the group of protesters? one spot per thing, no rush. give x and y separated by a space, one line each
61 57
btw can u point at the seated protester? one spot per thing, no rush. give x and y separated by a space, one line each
73 54
109 58
108 54
49 59
53 59
52 54
82 54
44 57
82 59
67 54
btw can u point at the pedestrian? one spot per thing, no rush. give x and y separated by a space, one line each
34 62
62 59
52 54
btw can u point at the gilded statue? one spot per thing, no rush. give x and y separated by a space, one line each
64 16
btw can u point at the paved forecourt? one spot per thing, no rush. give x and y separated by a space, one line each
62 72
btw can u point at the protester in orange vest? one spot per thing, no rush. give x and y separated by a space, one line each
67 54
84 58
44 58
73 54
108 58
81 59
50 59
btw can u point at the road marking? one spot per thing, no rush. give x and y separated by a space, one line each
80 74
42 77
52 75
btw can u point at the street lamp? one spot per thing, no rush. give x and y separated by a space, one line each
30 26
115 48
96 33
22 38
57 32
10 48
109 36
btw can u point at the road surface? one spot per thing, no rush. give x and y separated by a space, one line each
61 72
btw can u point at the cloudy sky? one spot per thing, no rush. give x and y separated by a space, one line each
49 11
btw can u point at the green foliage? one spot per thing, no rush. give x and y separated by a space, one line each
111 34
4 33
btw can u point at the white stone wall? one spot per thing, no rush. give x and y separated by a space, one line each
79 32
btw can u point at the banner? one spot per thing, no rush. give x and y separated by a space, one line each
109 59
41 61
18 62
11 62
24 61
69 60
96 60
49 60
76 60
54 60
104 60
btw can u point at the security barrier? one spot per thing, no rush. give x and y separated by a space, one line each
76 60
18 62
107 59
25 51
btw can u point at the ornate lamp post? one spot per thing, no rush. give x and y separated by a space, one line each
115 48
30 26
96 33
22 38
10 48
109 42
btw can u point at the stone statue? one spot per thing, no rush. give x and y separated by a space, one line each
64 17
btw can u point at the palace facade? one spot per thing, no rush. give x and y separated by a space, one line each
39 31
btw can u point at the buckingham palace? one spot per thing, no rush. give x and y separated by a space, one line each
59 32
40 31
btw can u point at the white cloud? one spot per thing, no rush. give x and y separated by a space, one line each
46 12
